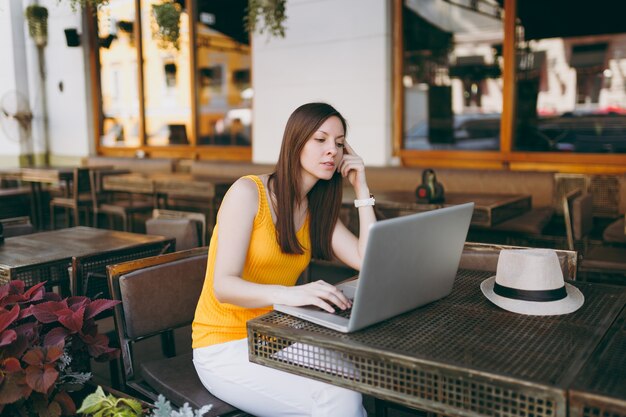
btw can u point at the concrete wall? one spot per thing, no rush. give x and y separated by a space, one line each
337 51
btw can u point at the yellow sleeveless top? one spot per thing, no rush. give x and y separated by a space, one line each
217 322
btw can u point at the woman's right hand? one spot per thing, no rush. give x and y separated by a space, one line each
318 293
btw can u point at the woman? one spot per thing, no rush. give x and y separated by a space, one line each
268 227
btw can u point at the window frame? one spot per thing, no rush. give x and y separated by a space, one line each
187 151
505 158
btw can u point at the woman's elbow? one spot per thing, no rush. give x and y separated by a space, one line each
219 290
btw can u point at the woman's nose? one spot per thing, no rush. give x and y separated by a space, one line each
332 149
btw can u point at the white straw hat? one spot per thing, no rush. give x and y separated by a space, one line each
530 281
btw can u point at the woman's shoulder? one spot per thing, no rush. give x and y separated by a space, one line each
242 194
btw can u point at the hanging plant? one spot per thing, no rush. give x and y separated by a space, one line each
127 27
76 5
266 15
166 30
37 17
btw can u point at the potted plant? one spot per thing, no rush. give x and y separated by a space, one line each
166 27
101 404
37 18
45 345
266 15
81 4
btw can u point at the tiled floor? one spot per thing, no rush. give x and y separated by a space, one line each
150 350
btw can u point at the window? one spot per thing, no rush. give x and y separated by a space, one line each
193 87
560 93
451 76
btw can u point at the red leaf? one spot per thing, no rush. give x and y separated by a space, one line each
98 306
26 312
98 345
76 302
41 379
73 320
14 388
11 365
7 317
53 353
49 311
34 357
67 404
7 337
35 292
56 337
52 296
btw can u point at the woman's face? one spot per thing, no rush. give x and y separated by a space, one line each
323 151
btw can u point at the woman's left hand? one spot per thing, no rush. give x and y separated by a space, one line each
352 166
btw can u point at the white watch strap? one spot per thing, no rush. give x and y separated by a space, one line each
364 202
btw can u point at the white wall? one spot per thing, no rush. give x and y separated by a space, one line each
12 75
69 113
69 110
337 51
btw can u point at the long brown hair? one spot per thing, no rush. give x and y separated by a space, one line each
324 199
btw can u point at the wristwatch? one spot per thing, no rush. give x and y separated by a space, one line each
365 202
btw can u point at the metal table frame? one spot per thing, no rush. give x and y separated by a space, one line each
460 356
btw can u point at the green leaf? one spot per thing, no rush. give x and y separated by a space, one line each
93 402
133 404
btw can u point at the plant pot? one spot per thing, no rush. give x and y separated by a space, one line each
37 18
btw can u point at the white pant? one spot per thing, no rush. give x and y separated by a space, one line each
227 373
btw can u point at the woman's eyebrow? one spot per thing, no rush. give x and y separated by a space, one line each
338 137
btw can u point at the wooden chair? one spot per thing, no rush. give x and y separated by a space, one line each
598 263
615 233
78 200
188 228
103 203
159 295
88 278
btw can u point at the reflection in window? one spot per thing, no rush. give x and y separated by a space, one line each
223 73
571 80
452 75
118 75
167 87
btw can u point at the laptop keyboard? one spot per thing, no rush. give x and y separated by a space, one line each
343 313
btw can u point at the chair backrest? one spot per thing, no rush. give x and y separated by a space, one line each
17 226
484 257
578 214
88 273
158 294
81 182
198 218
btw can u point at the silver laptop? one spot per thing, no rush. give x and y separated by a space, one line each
409 261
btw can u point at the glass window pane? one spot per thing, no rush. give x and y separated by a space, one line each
223 74
571 80
118 74
452 75
167 88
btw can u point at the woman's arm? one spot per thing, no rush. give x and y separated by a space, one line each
346 246
236 219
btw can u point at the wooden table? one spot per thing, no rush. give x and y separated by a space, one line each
46 256
37 176
460 356
489 209
600 388
172 185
